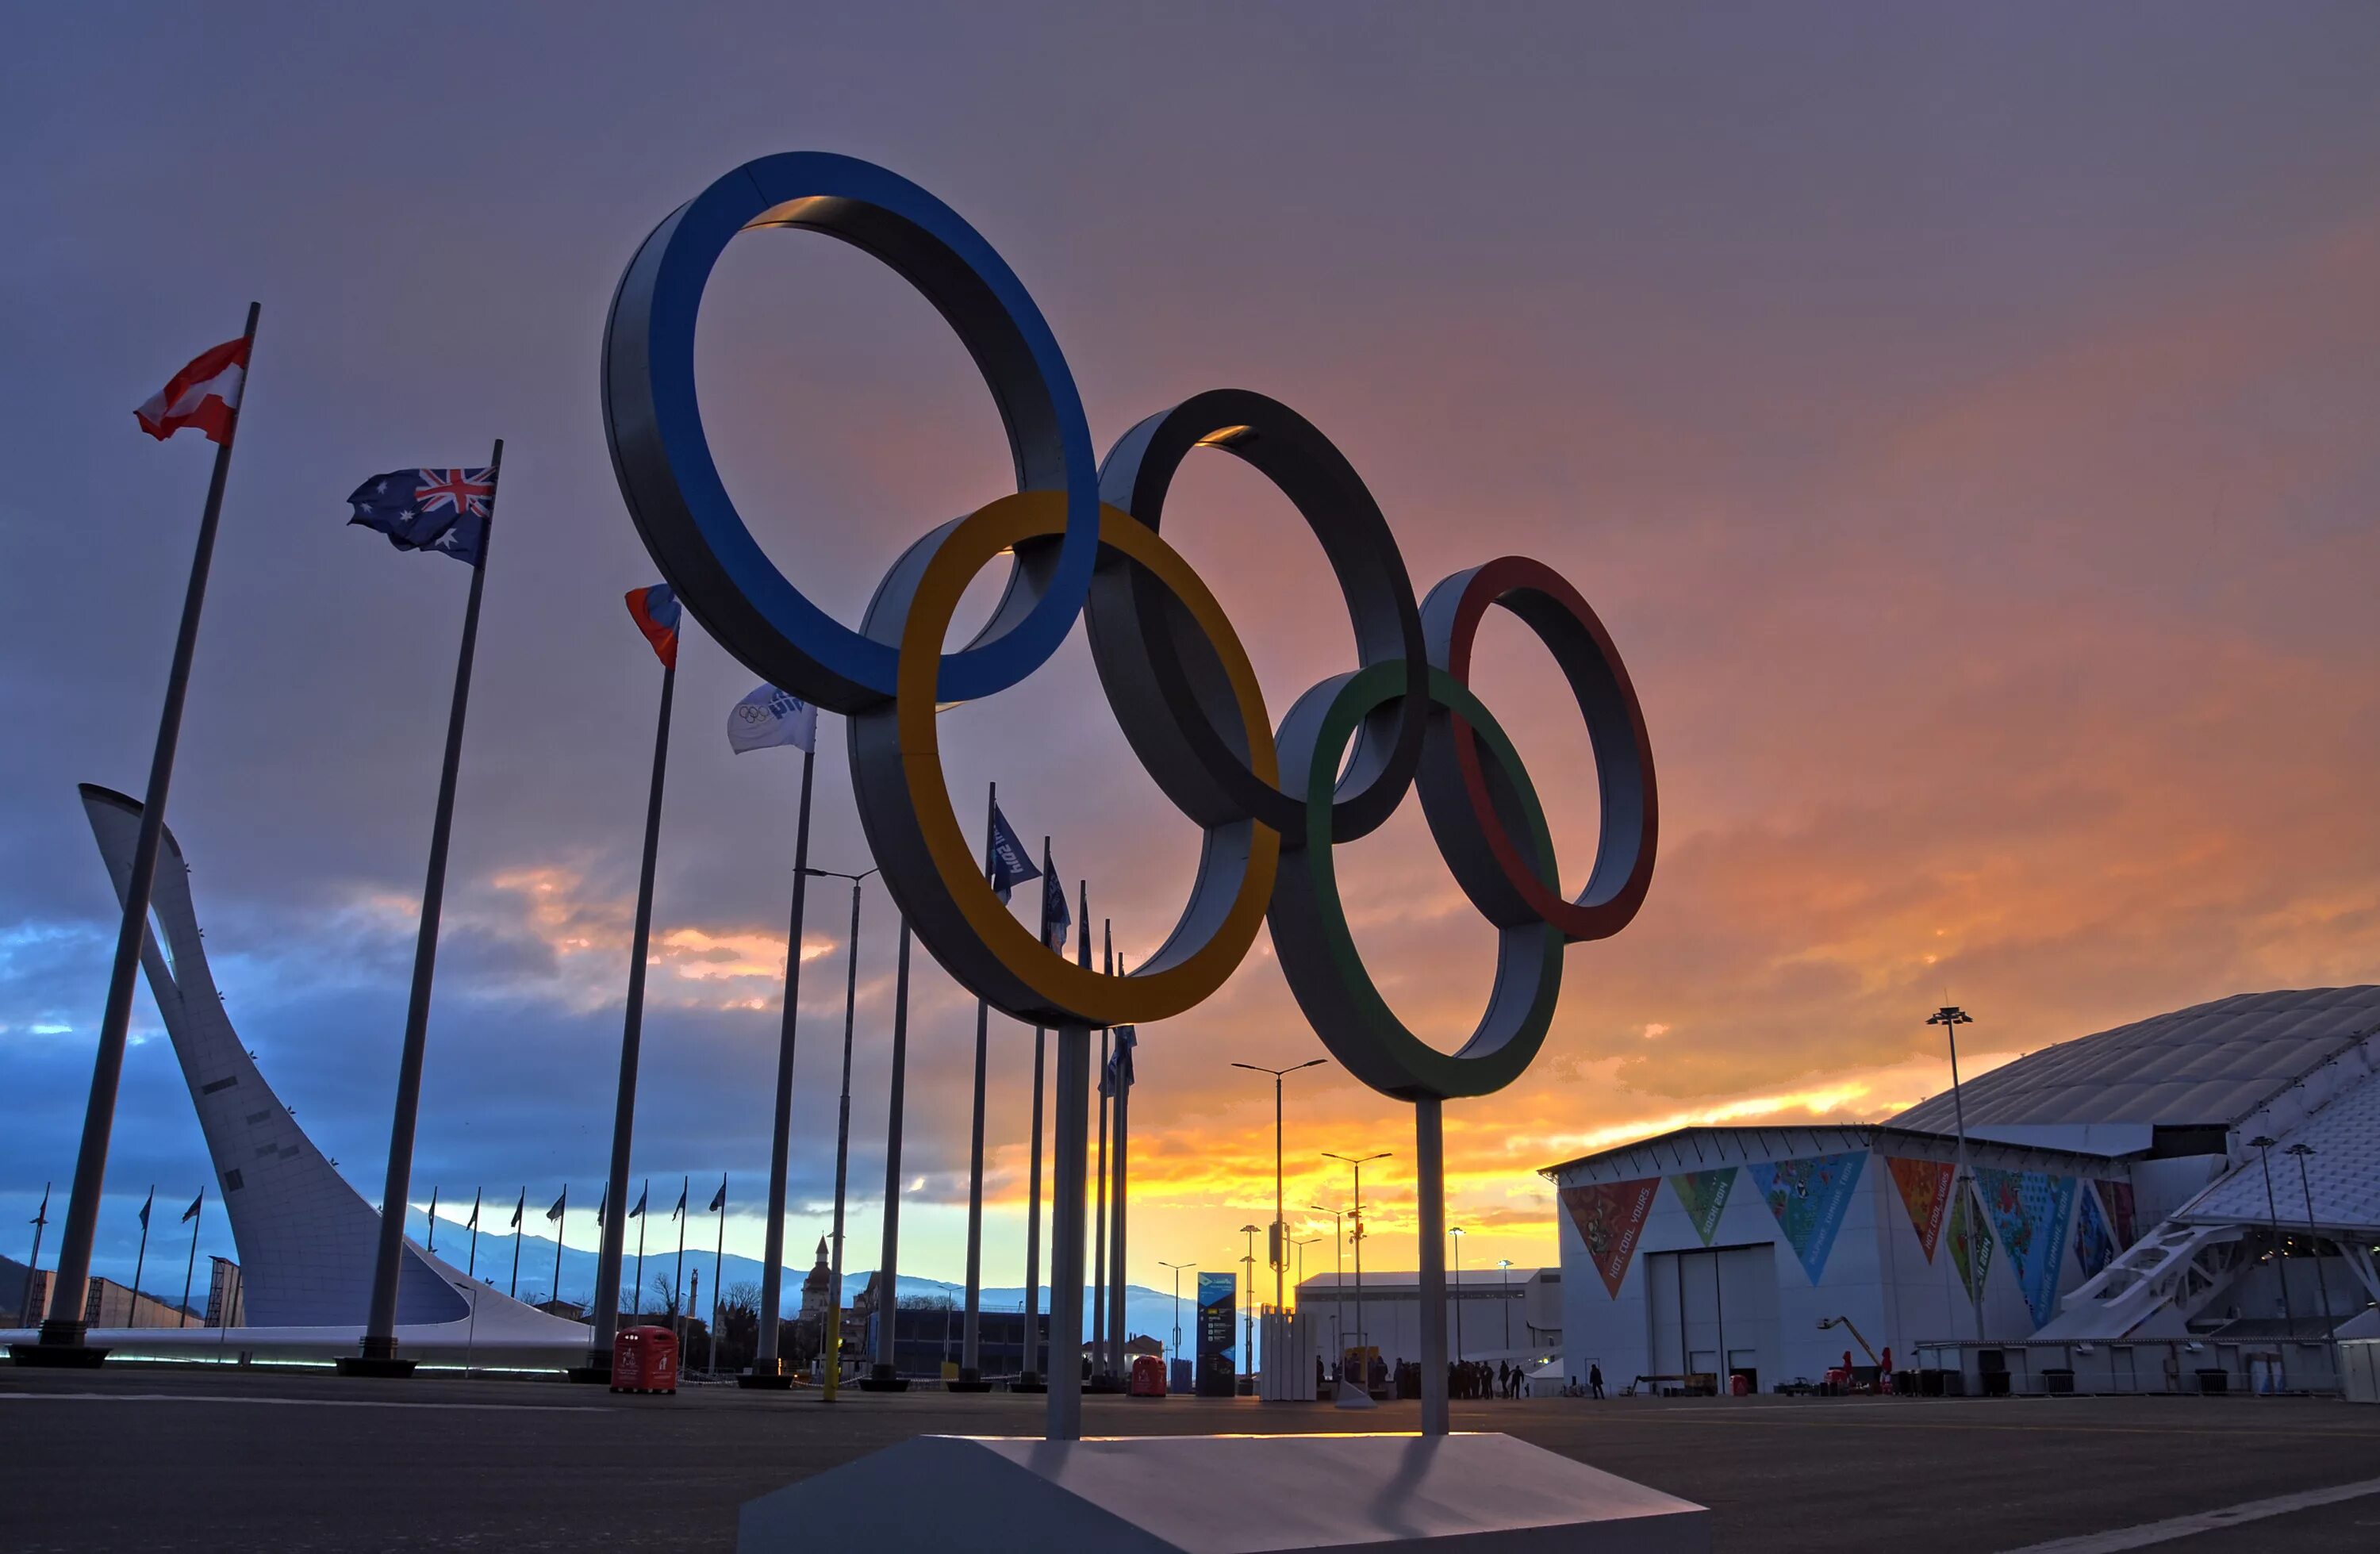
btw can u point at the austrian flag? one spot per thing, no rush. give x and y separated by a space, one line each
204 395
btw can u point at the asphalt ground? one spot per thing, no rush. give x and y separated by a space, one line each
169 1459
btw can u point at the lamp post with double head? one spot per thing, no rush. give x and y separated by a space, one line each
2263 1143
1950 1017
1357 1213
1273 1238
1503 1284
1177 1268
1337 1286
2305 1184
832 1340
1248 1308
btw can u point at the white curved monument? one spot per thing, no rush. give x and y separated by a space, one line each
306 1237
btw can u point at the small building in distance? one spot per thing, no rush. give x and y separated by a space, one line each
1492 1314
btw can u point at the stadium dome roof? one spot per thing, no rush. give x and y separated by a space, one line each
2214 1063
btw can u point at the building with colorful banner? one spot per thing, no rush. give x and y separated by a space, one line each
2117 1197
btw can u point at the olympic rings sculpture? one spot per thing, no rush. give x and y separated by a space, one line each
1084 540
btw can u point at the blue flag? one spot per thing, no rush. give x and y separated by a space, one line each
1008 867
638 1212
719 1199
144 1208
196 1204
1055 918
429 509
1119 1070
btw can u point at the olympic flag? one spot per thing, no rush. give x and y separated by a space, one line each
769 716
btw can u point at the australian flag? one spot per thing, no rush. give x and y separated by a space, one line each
429 509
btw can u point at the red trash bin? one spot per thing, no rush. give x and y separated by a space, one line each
644 1360
1147 1378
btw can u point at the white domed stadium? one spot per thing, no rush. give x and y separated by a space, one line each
2188 1202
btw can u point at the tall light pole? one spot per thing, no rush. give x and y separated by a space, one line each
1503 1298
1177 1268
1338 1288
2321 1280
1357 1213
1457 1233
2263 1143
1274 1238
1950 1017
1248 1308
833 1335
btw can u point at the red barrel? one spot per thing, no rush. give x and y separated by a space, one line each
644 1360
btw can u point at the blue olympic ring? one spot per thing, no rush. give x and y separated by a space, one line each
672 485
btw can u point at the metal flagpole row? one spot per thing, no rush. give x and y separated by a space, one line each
831 1342
1101 1370
970 1345
1065 1411
62 1332
379 1350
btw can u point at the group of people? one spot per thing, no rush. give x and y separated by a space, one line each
1473 1378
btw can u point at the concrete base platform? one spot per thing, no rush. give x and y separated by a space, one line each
1481 1494
963 1385
386 1368
58 1356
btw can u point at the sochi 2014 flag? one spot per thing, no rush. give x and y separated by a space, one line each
204 395
1008 867
770 716
655 611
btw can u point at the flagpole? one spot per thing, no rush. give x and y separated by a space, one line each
61 1340
1100 1369
1033 1363
379 1351
561 1224
133 1320
884 1379
718 1263
198 1218
832 1339
768 1368
677 1280
970 1349
1116 1291
623 1110
1064 1410
519 1210
471 1270
34 1262
637 1294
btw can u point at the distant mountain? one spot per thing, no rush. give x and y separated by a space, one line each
1146 1310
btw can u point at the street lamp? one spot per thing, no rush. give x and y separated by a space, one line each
833 1335
1457 1233
1338 1287
1357 1213
2321 1280
1177 1268
1950 1017
1503 1284
2263 1143
1280 1256
1249 1310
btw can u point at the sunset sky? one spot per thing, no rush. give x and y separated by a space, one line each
1962 417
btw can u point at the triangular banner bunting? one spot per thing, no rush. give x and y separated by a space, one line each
1704 1194
2094 1243
1926 1192
1971 1245
2030 1210
1610 1216
1810 1199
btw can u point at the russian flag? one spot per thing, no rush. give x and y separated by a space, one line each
204 395
655 611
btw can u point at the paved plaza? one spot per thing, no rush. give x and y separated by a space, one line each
173 1460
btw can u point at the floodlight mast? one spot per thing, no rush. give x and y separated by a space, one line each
1280 1232
1355 1212
2305 1184
1950 1017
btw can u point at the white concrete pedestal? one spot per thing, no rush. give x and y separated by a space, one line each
1483 1494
